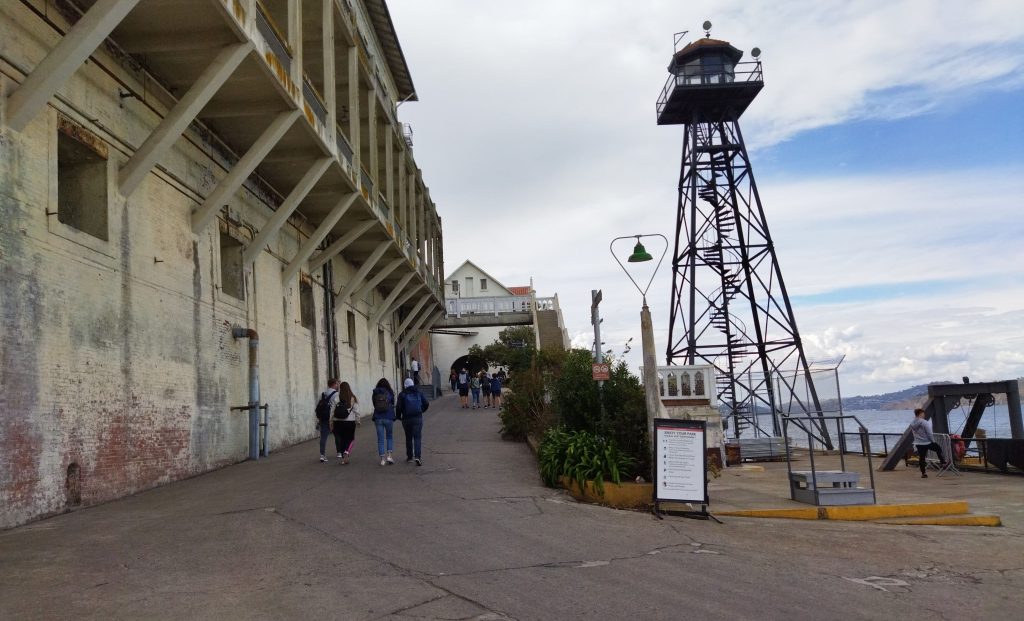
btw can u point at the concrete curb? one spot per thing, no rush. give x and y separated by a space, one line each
947 520
933 512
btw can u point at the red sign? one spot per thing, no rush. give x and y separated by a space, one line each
601 371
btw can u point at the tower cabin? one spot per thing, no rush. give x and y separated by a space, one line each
707 82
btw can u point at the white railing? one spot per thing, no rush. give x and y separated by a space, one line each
547 303
688 383
457 307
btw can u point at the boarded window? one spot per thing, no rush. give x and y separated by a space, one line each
380 345
307 312
351 329
81 186
232 281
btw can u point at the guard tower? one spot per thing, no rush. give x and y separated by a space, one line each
729 305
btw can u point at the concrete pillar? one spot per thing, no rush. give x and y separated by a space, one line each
330 81
354 137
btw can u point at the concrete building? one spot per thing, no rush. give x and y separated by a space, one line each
205 205
479 307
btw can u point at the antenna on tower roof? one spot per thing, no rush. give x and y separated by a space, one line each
676 38
707 28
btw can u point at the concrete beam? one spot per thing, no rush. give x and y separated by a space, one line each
381 274
309 246
178 119
230 184
413 313
423 324
343 242
360 276
399 290
53 71
290 204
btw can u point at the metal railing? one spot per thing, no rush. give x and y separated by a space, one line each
457 307
687 383
367 182
268 31
988 454
722 75
312 97
343 147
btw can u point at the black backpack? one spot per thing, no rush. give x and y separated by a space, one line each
341 411
323 407
380 401
411 404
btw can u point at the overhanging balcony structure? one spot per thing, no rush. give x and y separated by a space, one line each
300 97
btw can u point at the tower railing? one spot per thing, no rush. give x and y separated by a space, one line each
722 75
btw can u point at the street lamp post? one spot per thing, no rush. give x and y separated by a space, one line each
651 391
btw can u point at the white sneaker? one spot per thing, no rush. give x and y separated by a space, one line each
383 462
389 460
323 459
418 462
340 456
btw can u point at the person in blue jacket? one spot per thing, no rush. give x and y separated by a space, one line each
384 420
410 406
496 391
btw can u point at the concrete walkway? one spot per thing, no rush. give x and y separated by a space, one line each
473 535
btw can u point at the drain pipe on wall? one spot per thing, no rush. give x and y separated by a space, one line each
239 332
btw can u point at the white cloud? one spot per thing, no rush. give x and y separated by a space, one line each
536 134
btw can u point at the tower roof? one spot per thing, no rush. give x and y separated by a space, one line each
700 46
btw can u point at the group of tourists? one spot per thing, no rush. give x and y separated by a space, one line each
337 413
474 384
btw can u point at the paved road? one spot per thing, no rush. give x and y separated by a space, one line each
473 535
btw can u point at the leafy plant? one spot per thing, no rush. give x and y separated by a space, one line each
581 456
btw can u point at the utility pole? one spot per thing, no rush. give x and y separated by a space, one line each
595 320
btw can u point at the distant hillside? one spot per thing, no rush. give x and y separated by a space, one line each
906 399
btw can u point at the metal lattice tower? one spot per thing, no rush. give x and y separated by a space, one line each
729 304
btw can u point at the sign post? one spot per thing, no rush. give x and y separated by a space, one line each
681 465
601 371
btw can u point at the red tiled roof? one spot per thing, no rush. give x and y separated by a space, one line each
520 290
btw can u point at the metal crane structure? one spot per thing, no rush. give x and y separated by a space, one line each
729 304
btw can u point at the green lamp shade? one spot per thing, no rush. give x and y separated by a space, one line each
640 254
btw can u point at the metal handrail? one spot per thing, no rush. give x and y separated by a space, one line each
266 27
312 97
788 420
724 76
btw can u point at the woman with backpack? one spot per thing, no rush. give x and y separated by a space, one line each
474 389
384 420
327 404
496 391
464 389
485 387
344 421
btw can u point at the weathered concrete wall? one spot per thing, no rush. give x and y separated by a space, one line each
117 363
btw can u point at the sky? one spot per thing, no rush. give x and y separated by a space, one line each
887 146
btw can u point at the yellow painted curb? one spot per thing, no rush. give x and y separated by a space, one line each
810 513
623 495
948 520
879 512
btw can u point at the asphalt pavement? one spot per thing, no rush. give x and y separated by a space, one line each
473 534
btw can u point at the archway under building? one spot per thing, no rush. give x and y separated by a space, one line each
474 364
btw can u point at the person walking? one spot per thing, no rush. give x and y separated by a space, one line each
485 387
414 369
924 441
384 420
344 421
324 407
453 379
496 391
464 388
474 388
410 406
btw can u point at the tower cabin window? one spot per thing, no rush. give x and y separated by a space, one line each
81 187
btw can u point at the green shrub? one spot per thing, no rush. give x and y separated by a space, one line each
523 408
581 456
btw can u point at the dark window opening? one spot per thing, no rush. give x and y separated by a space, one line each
81 187
73 484
351 329
232 279
307 312
380 345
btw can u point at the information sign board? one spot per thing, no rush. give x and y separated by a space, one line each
680 461
601 371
